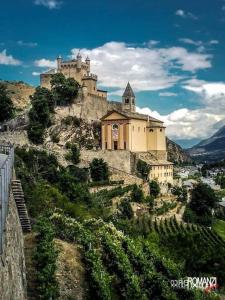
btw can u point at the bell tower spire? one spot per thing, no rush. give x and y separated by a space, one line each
128 99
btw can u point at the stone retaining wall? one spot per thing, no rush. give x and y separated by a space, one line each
12 261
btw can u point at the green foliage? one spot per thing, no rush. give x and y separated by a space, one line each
143 169
72 120
181 193
137 194
125 209
6 104
99 170
74 154
64 90
165 207
39 115
45 256
203 200
220 179
154 188
55 138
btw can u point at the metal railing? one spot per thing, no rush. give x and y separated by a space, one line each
6 172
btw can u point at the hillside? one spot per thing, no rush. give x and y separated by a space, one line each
176 154
19 92
210 149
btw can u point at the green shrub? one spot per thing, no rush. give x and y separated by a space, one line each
99 170
143 169
154 188
137 194
55 138
45 256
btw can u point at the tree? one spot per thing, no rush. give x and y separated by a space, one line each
181 193
74 154
99 170
203 199
6 104
154 188
39 115
143 169
137 194
64 89
126 209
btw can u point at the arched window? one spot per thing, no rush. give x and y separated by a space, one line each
127 100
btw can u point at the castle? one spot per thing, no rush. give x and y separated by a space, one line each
122 128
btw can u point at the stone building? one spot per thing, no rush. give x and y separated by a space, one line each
91 103
77 69
137 133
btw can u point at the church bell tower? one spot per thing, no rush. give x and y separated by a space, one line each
128 99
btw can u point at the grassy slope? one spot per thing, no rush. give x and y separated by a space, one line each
219 227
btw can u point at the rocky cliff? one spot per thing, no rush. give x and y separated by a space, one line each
176 154
20 93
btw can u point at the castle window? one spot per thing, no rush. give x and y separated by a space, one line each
161 129
151 130
125 145
127 101
133 101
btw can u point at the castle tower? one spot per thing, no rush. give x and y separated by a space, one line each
128 99
79 60
88 62
59 63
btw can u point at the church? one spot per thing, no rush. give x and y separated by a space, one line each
138 133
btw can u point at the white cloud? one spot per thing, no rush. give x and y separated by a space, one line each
147 69
152 43
185 14
51 4
196 123
45 63
167 94
191 42
214 42
35 73
26 44
6 59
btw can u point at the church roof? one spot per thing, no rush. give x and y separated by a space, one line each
128 91
132 115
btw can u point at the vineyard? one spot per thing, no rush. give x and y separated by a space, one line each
119 267
170 227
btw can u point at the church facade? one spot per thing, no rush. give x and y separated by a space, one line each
137 133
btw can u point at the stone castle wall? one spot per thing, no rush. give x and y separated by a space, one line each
120 160
12 262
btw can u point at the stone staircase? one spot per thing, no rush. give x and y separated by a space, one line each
21 206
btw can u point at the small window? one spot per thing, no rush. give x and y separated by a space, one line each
160 129
125 145
151 130
127 100
133 101
115 126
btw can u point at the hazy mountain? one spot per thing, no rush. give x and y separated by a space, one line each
210 149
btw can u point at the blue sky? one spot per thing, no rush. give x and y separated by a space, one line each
172 52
